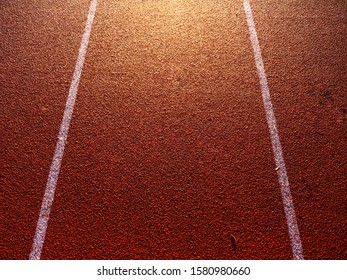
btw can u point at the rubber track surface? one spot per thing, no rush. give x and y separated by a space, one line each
169 152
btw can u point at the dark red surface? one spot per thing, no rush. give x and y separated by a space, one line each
169 152
305 53
39 41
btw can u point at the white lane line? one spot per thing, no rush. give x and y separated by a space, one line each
48 197
276 144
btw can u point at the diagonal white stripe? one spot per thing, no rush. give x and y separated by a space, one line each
48 197
276 144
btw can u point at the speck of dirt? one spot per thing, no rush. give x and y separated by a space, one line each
327 95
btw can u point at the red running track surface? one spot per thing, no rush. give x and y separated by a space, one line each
169 152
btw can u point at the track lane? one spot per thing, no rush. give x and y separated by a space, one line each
304 49
39 42
169 151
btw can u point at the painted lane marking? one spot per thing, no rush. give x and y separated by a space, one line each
48 197
275 140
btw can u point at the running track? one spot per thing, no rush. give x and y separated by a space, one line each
169 151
